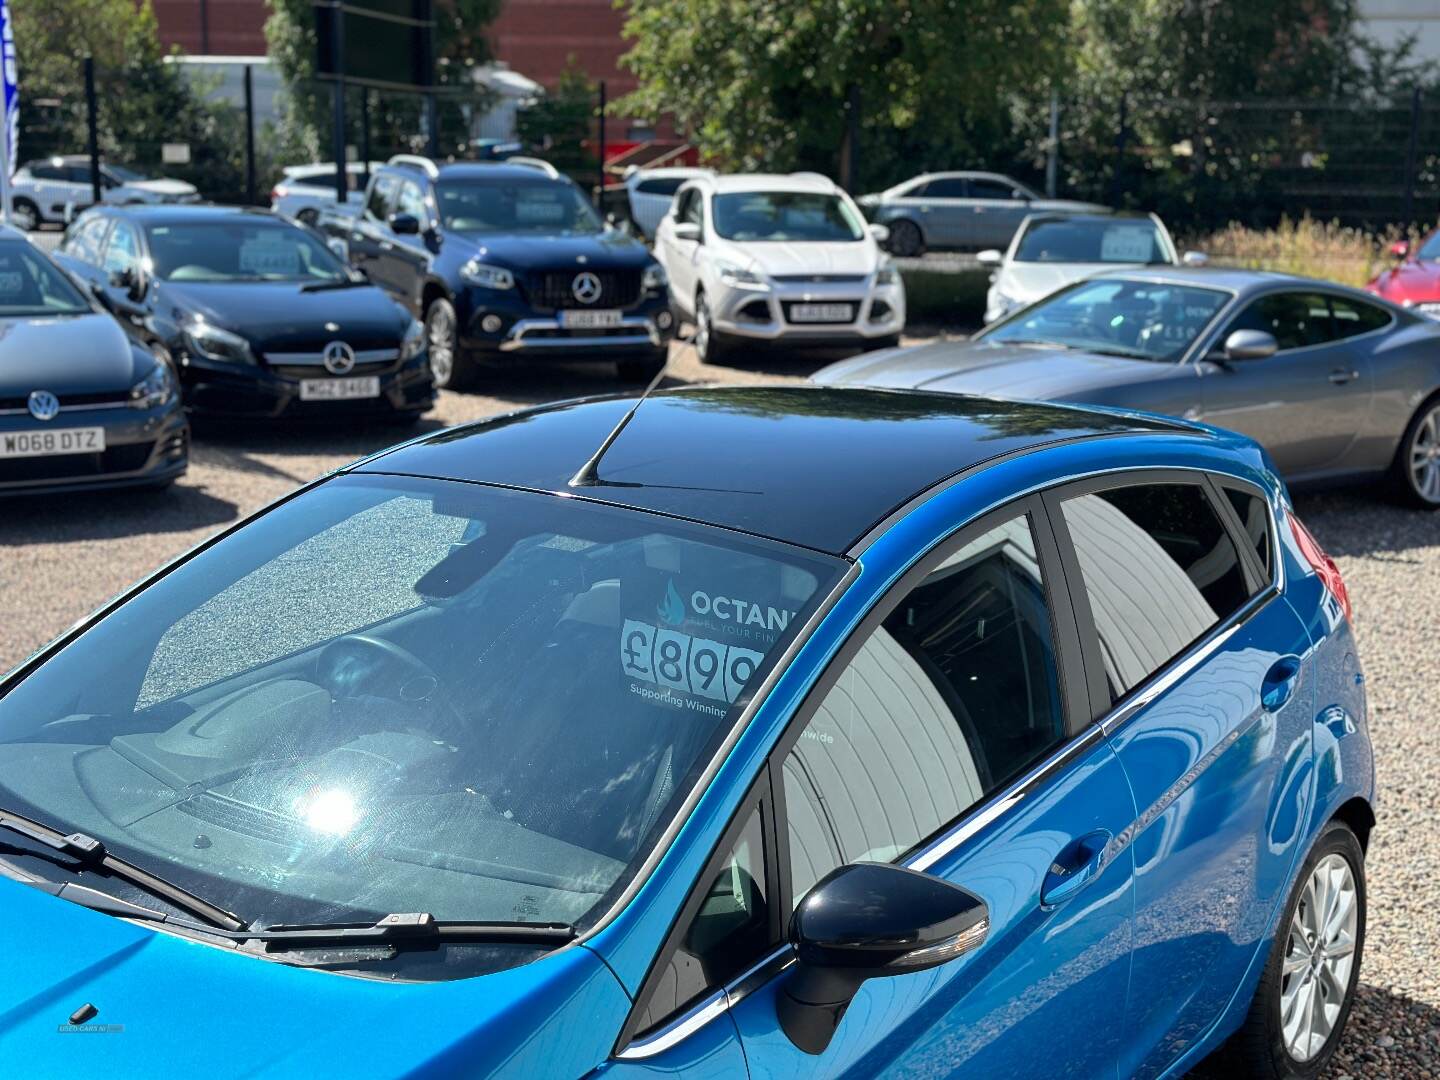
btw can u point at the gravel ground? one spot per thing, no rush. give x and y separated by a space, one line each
61 557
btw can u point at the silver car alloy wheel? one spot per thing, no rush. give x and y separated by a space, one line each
440 339
1425 457
1319 958
702 329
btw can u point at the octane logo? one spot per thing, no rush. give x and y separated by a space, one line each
338 357
43 405
671 610
586 287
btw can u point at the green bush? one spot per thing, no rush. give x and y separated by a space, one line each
945 300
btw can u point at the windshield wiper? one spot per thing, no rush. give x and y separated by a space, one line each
326 286
90 853
416 928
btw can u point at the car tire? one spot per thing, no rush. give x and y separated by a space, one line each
642 371
1416 471
906 240
442 339
309 216
1269 1047
26 215
711 347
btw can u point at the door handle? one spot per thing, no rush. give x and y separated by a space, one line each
1280 682
1341 376
1078 864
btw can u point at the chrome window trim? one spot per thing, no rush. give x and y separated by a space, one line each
681 1028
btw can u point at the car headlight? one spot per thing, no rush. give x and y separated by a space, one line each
487 276
154 390
887 275
413 341
740 278
654 278
215 344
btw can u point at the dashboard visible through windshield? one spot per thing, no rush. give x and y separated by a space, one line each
1142 319
402 695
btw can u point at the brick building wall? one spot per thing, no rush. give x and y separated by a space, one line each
213 27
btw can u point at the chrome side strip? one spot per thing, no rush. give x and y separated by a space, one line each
680 1029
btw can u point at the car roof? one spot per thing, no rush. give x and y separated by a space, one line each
809 465
490 170
173 214
1089 217
798 182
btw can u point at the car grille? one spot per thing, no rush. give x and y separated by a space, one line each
118 459
819 279
68 401
554 289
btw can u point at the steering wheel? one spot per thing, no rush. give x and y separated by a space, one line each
359 663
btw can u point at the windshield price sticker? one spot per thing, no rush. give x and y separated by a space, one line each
1126 243
692 665
12 283
263 255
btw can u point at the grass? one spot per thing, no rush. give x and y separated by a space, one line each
1317 249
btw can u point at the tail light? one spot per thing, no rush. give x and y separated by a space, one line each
1322 564
275 193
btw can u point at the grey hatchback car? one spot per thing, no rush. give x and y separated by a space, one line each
1334 383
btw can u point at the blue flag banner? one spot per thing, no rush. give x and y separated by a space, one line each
10 71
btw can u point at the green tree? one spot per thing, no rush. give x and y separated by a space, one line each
774 83
396 119
143 101
560 124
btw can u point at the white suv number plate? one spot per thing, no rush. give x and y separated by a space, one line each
366 386
589 320
821 312
85 440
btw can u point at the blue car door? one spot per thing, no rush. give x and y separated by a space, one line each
1208 705
950 735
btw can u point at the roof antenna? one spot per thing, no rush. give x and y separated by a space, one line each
589 473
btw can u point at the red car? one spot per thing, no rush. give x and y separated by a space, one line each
1414 281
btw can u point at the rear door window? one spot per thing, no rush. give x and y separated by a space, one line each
1356 317
1160 570
947 187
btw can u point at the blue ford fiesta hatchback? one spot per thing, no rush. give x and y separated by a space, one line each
799 730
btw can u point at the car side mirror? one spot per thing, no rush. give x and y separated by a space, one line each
128 281
1250 345
866 921
1400 249
687 230
881 233
990 257
1195 258
404 224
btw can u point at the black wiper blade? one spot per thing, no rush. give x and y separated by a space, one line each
416 928
326 286
91 854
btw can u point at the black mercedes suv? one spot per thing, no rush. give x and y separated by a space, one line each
507 261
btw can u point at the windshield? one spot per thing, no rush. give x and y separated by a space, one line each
1431 248
403 695
123 174
785 215
31 285
1092 242
1146 320
513 206
240 250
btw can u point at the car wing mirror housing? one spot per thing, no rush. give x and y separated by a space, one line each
1399 249
1195 258
881 233
990 257
1250 345
687 230
866 921
404 224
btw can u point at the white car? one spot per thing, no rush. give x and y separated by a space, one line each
651 192
50 189
305 189
1052 250
777 258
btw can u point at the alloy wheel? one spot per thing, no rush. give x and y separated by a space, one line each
1425 457
702 329
440 340
1319 958
25 218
